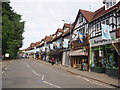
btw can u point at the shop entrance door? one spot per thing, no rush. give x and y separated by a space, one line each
110 60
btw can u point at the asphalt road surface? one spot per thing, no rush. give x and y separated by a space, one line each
25 73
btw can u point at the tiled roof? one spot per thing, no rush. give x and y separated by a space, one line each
87 14
67 25
32 45
91 16
37 43
68 31
98 13
59 30
48 38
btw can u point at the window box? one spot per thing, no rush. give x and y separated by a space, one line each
98 69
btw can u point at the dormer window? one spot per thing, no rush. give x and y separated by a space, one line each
58 34
66 29
54 36
109 3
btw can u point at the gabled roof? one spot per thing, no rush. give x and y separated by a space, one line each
98 13
48 38
37 43
32 45
87 14
91 16
59 30
65 33
66 25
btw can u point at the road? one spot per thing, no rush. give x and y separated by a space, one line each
25 73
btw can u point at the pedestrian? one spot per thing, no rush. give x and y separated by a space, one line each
53 61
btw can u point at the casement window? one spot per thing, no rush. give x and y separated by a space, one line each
80 18
110 4
59 34
107 22
82 30
103 22
65 29
97 27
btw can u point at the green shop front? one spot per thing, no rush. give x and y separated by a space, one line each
103 56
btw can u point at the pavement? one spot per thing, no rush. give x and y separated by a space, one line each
4 64
26 73
100 77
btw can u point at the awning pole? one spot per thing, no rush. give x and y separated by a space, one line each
116 49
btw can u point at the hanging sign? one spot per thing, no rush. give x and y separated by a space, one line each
65 43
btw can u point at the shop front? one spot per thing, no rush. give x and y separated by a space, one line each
66 59
79 59
56 54
79 54
104 58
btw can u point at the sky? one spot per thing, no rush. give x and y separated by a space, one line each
43 17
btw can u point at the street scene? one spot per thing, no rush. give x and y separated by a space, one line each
60 44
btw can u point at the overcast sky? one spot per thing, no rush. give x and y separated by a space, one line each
43 17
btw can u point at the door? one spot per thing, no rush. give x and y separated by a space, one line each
110 61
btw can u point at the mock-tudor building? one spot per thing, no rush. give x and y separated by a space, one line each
66 61
103 52
80 49
55 46
95 53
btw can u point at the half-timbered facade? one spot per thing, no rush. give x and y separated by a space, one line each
79 53
66 44
103 53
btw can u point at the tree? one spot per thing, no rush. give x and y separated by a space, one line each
12 30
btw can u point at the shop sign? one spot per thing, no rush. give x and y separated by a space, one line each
97 41
80 52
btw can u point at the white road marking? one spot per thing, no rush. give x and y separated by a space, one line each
86 79
27 65
35 73
51 84
83 78
79 76
42 77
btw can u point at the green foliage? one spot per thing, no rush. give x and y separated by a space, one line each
12 30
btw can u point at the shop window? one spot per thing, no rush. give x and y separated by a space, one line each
107 22
112 59
99 59
109 60
95 58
